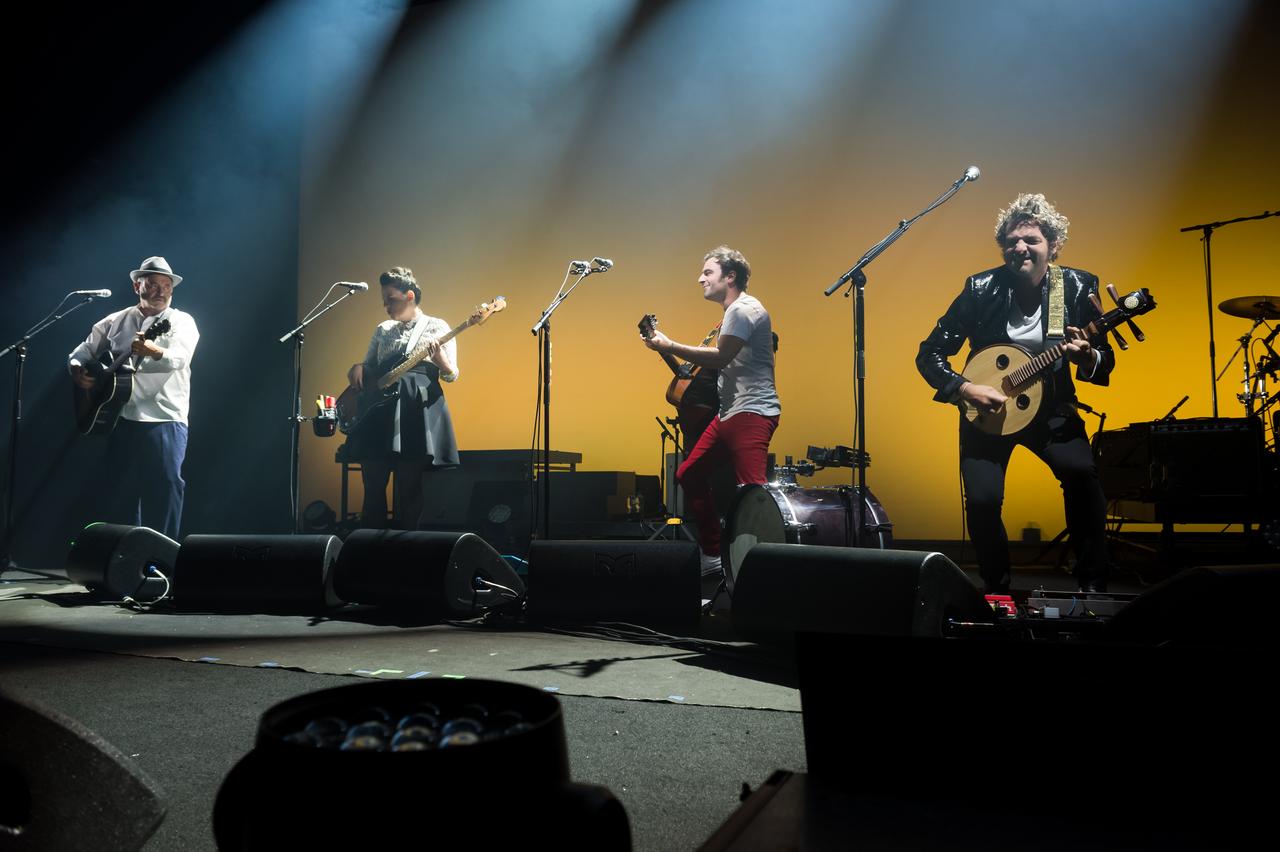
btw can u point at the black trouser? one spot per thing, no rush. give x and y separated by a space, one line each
1059 441
410 482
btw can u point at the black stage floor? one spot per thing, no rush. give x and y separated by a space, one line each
673 729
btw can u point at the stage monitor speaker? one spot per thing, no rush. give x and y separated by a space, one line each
64 788
433 574
1226 606
116 560
784 589
256 573
654 583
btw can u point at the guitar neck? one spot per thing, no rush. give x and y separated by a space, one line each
671 362
419 354
1028 371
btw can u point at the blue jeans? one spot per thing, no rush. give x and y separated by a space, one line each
145 464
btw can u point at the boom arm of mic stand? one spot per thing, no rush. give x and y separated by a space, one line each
878 248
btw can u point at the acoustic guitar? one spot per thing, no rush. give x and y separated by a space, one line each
692 389
354 407
1022 376
97 409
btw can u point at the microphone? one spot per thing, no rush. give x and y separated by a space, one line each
602 262
353 286
101 294
579 266
1080 405
970 173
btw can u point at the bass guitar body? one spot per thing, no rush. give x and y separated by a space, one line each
995 367
355 408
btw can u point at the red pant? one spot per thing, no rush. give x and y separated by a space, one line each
743 438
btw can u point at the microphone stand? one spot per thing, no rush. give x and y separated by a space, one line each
19 348
857 281
296 420
1207 229
542 328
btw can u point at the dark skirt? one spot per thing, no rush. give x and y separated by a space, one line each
426 427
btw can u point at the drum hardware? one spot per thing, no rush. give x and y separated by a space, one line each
818 458
793 515
673 526
838 456
1254 395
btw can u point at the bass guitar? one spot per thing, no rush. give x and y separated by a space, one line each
98 408
354 406
1022 376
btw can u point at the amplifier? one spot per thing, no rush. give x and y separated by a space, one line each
1200 469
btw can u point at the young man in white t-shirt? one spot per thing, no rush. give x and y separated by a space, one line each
749 408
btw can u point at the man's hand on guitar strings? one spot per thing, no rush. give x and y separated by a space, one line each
355 376
983 397
81 377
1079 350
658 342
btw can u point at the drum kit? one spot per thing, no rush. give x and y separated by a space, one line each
1257 370
783 512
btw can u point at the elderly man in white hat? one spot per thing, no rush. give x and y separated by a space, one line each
149 442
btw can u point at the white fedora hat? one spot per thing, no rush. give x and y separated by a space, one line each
155 266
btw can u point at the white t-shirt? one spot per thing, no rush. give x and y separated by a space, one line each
746 383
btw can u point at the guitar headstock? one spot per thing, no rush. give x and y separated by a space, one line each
1137 303
487 309
648 325
1127 307
157 328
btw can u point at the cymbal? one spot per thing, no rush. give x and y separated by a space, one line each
1252 307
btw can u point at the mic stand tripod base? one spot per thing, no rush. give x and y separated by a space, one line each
668 524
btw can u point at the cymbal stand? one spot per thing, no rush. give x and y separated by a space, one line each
1246 395
1207 230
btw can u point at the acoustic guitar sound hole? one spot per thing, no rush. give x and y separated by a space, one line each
1002 362
1023 402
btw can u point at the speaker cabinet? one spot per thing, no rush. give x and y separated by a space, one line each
116 561
1226 606
256 573
655 583
785 589
433 574
62 787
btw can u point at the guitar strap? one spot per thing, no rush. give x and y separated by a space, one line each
711 335
1057 303
416 334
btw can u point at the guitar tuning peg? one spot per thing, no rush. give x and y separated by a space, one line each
1097 303
1133 327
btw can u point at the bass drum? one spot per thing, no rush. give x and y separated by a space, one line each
786 514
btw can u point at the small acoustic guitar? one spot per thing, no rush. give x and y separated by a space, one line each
692 389
1022 376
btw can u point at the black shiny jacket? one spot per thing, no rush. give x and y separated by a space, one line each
980 314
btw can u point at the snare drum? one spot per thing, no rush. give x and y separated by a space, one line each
790 515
